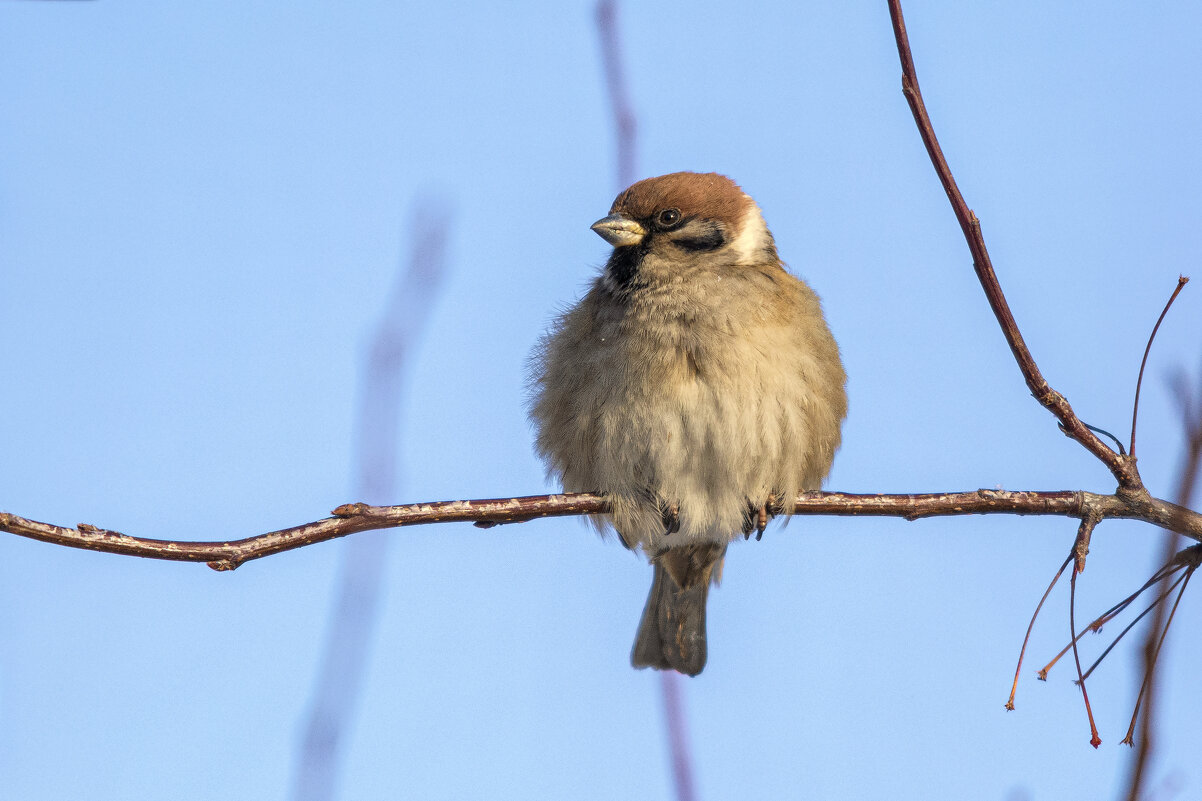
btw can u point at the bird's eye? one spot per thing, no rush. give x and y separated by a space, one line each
668 218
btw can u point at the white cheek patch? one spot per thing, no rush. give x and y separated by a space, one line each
753 235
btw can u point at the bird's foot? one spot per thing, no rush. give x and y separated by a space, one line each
671 517
756 518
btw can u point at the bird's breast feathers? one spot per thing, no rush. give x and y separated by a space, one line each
703 398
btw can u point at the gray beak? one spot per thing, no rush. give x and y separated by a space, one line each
619 231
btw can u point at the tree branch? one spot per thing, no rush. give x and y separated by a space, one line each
355 517
1123 467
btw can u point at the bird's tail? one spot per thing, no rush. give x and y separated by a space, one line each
672 633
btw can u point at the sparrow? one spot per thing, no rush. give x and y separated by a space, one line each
696 385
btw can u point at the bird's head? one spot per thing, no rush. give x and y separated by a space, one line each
683 219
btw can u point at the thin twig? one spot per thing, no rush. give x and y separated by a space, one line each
1122 468
1083 533
1148 675
1022 651
1132 624
1101 620
1182 559
1181 282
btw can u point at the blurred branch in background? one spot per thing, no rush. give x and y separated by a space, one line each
625 128
1191 411
625 125
356 603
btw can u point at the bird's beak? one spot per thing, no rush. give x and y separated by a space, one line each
619 231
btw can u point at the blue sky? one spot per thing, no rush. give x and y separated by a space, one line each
202 209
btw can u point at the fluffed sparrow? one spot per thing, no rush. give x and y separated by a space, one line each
696 385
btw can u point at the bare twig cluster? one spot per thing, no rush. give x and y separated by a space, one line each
1122 464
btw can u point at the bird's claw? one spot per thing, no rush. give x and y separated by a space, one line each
757 518
671 518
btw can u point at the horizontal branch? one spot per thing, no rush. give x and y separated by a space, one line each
355 517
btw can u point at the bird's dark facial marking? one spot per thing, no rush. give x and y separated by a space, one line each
623 265
700 237
666 227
